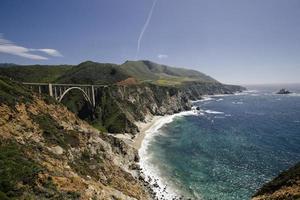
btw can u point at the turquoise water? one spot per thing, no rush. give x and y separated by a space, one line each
230 153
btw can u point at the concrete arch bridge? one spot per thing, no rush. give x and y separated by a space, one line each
58 91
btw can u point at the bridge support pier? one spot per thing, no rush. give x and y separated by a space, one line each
50 90
93 96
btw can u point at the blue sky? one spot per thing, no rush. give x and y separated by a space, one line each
235 41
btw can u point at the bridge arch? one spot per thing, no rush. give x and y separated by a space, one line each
85 95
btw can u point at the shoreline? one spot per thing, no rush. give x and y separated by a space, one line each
143 127
157 184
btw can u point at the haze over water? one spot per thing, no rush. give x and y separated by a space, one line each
239 143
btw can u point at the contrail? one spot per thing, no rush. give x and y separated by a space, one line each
144 29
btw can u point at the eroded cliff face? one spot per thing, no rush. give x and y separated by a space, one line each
195 90
47 152
119 107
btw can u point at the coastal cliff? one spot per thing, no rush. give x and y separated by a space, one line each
48 152
286 186
119 107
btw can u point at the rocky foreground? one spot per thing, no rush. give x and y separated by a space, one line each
46 152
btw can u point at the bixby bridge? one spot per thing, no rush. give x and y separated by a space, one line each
58 91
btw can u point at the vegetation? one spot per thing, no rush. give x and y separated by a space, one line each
287 178
93 73
12 92
16 170
161 74
83 163
104 73
53 133
35 73
109 113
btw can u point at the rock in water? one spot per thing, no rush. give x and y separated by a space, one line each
283 91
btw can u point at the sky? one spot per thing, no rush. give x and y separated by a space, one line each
234 41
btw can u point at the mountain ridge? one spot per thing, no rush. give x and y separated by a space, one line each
109 73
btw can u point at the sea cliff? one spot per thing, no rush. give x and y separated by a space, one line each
119 107
47 152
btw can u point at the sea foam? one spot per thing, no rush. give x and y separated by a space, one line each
214 112
160 185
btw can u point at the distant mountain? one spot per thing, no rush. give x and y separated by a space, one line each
105 73
94 73
7 64
147 70
34 73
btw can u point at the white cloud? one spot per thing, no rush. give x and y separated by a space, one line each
51 52
9 47
162 56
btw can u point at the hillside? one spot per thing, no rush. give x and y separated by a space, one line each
104 73
93 73
34 73
46 152
286 186
162 74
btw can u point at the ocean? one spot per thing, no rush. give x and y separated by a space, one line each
228 149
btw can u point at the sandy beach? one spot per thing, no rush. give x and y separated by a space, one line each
143 127
158 184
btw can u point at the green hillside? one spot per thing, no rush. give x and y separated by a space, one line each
162 74
104 73
139 70
34 73
93 73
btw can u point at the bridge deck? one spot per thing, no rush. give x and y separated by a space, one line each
63 84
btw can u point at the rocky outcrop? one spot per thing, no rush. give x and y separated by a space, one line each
46 152
283 91
286 186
